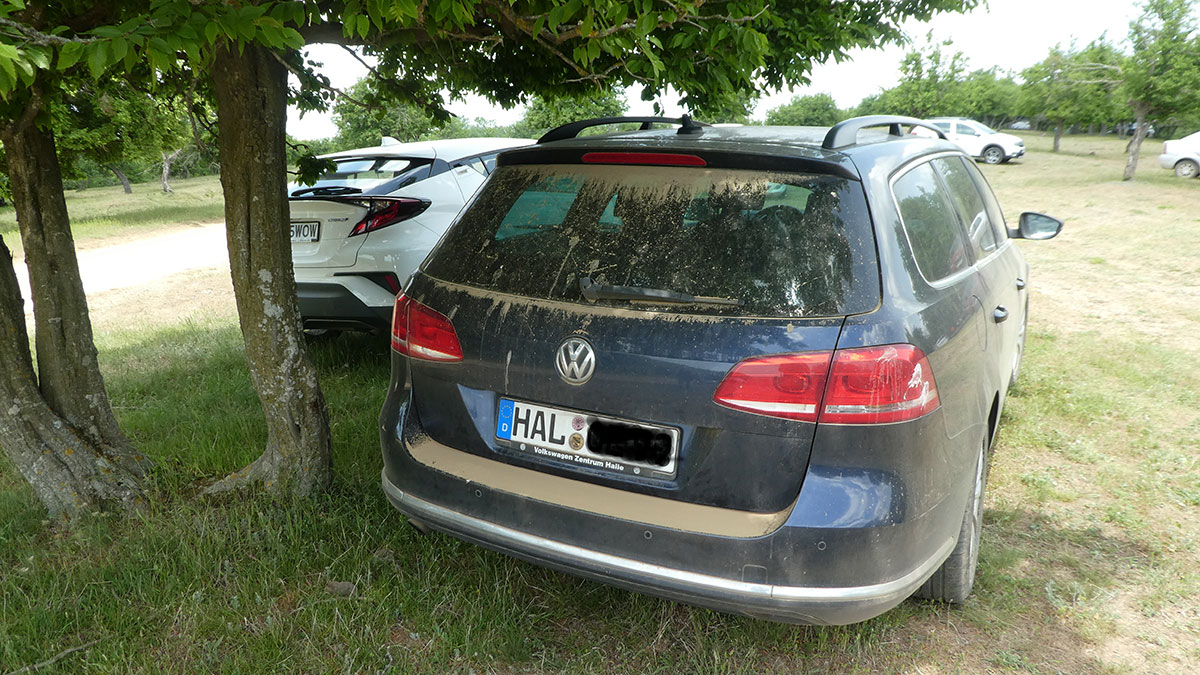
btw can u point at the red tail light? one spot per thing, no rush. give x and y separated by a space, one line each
384 212
879 385
788 385
868 385
422 333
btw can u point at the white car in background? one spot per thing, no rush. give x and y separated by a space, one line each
1183 156
361 230
979 140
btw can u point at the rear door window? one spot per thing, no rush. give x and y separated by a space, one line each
969 203
930 223
780 244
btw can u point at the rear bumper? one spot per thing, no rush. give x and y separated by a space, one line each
336 305
793 604
854 544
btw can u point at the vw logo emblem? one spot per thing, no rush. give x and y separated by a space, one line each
575 361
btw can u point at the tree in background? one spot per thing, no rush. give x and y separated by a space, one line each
1072 87
988 97
363 117
506 51
1161 76
814 110
737 111
118 127
545 113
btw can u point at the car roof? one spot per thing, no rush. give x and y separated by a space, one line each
803 145
449 149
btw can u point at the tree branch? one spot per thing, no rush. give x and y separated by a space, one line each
39 38
307 77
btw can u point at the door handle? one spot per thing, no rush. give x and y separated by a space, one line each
1020 284
1000 314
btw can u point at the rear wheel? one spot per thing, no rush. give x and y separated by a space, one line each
993 154
1187 169
952 582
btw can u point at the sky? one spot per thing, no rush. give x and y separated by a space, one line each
1009 34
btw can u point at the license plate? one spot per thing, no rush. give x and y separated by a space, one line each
306 230
586 440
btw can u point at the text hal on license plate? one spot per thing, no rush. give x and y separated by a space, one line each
587 440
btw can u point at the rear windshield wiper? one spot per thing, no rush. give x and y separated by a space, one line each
594 291
328 191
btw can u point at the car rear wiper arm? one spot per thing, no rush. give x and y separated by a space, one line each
594 291
327 191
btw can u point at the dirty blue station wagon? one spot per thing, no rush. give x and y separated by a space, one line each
755 369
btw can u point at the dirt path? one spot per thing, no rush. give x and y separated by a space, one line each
163 278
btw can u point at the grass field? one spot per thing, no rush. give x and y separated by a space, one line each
1089 560
106 215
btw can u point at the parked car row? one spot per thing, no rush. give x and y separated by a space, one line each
755 369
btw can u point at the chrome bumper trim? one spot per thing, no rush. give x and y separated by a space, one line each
619 568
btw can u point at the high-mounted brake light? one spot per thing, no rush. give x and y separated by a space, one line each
654 158
423 333
867 385
381 213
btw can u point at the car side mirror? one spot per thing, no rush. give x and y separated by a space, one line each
1038 226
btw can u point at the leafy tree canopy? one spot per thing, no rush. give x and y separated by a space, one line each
816 110
506 51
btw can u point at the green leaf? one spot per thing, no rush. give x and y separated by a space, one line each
364 25
69 55
210 31
97 58
119 48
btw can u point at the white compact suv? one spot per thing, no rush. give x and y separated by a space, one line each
360 231
979 140
1183 156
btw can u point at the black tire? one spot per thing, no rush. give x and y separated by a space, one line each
993 154
952 582
1186 168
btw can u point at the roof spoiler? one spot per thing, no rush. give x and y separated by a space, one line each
686 126
844 134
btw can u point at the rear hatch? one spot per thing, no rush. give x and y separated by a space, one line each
667 277
324 215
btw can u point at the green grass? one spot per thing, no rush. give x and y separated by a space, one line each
107 215
1088 561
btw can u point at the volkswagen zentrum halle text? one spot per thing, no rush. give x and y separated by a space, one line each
756 369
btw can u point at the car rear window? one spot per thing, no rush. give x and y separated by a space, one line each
376 175
781 244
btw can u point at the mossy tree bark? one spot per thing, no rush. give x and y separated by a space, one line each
251 93
56 425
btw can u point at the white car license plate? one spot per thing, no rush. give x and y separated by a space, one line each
579 438
306 230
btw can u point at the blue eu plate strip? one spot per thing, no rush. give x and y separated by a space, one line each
504 418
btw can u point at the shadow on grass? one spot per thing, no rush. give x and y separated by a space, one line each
240 584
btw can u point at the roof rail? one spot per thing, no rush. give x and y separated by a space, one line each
845 134
686 126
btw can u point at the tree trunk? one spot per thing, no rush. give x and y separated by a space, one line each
251 94
1058 132
1135 144
123 178
166 169
57 425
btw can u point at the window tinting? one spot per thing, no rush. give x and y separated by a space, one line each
931 224
969 203
783 244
